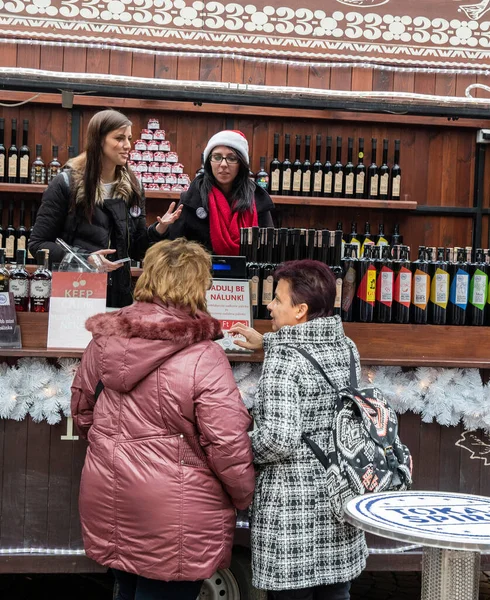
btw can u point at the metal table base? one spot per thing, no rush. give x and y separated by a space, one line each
450 574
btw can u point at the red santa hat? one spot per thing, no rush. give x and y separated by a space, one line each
232 139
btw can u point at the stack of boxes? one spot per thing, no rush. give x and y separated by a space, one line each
155 164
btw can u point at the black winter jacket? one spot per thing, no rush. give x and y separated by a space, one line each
193 223
112 226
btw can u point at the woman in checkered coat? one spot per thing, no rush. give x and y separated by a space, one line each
299 549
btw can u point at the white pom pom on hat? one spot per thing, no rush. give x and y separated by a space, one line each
233 139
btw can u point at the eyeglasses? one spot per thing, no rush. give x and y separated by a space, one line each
231 159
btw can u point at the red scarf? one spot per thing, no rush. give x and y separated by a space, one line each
224 226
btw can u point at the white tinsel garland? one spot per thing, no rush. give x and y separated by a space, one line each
34 386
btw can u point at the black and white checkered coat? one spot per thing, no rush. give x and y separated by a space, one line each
296 540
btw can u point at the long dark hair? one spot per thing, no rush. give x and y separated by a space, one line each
90 162
242 191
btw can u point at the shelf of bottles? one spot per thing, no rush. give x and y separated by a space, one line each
376 281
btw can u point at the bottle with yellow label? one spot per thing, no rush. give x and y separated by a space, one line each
420 289
366 290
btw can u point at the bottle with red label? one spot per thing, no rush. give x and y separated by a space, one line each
420 289
402 296
349 283
384 287
366 290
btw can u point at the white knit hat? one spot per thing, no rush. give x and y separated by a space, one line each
232 139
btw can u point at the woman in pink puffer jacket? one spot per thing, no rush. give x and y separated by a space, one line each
169 458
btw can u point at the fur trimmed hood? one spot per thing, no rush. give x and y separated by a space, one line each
137 339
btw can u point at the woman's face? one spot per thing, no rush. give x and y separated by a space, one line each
282 310
116 146
224 172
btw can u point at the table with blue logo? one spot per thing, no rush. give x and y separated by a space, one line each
453 529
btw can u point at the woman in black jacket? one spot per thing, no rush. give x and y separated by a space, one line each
223 199
98 207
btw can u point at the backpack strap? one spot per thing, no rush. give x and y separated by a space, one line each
353 371
98 389
318 367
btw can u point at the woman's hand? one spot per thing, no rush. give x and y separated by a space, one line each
99 261
168 218
253 339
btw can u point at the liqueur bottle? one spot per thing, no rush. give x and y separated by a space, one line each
286 170
338 273
253 270
328 171
24 154
366 290
338 245
21 232
262 177
420 289
439 288
396 238
459 289
306 170
339 228
353 237
10 237
367 238
13 156
38 168
373 173
396 173
402 296
268 268
478 289
349 283
3 152
275 169
349 176
317 188
384 287
384 174
360 172
54 167
380 238
296 170
4 274
19 283
40 289
338 172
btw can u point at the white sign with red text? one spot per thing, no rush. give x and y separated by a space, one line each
74 298
229 301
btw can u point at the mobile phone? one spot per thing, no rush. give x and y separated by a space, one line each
121 260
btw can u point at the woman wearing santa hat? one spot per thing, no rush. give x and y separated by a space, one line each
222 200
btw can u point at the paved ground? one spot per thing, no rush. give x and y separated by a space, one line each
370 586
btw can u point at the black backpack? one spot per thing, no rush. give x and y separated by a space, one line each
364 452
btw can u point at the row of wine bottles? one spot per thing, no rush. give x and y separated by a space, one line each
30 292
337 180
15 163
16 238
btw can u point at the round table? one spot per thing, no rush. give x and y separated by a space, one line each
452 528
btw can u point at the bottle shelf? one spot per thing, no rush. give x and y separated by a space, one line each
345 202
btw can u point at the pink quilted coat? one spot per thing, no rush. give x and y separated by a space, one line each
169 457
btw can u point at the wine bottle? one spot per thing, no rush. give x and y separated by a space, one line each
38 168
275 169
384 174
420 289
337 305
373 173
328 171
368 238
302 245
19 282
396 173
293 243
4 273
30 259
338 171
268 269
244 243
380 238
478 289
253 271
366 291
349 283
24 154
459 289
396 238
40 288
296 171
318 169
306 178
283 245
13 156
10 239
324 244
286 170
349 176
339 228
384 287
353 238
2 232
439 289
339 244
331 249
262 177
3 152
360 172
21 232
54 167
402 296
310 243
